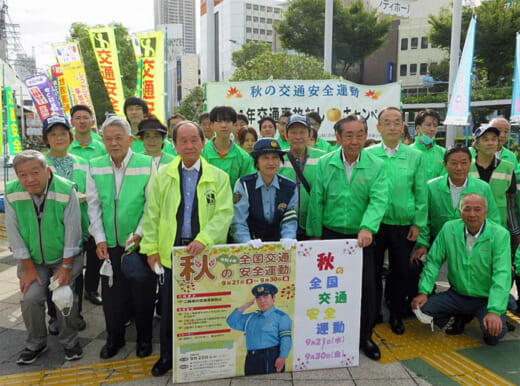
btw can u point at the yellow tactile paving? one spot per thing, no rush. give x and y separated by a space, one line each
512 316
126 370
438 350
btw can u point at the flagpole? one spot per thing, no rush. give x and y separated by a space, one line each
456 22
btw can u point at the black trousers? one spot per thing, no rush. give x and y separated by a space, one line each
368 288
393 239
166 336
262 361
92 267
124 296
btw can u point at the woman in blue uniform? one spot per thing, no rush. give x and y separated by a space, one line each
265 202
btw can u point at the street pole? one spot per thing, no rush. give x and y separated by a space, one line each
456 22
327 44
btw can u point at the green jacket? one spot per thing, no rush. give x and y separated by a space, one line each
79 177
166 158
485 273
321 144
440 207
45 239
215 209
433 159
408 195
94 149
121 213
309 173
499 182
237 163
347 208
283 143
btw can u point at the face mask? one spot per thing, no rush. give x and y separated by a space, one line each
426 140
63 298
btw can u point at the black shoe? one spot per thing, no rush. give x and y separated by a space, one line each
396 325
510 327
161 367
93 297
80 323
73 353
491 340
109 350
143 349
371 350
29 356
457 327
53 326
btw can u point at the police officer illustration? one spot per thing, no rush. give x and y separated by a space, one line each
267 332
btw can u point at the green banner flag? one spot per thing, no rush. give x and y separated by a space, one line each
13 133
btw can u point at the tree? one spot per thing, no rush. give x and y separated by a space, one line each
280 65
249 51
357 32
79 33
191 106
497 24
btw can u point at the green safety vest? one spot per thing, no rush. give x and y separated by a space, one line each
309 172
499 183
94 149
121 214
79 177
44 239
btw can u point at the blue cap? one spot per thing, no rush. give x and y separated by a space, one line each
54 120
297 118
481 131
266 146
264 289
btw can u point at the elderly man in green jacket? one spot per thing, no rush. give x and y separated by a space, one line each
479 271
190 204
405 215
348 200
301 159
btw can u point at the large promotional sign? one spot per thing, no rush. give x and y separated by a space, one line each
43 96
14 139
151 49
69 58
312 322
103 41
332 99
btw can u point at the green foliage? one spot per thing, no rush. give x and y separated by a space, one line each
497 24
192 105
79 33
249 51
483 94
280 65
357 32
441 72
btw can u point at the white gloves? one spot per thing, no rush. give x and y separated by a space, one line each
256 243
288 243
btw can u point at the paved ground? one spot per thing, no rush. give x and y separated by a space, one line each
419 357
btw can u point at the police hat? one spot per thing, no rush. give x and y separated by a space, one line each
481 131
266 146
264 289
54 120
297 118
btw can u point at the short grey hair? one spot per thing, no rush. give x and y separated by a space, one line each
29 155
116 121
472 195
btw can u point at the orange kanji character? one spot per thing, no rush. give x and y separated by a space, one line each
205 270
187 264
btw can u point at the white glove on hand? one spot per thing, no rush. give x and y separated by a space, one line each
288 243
256 243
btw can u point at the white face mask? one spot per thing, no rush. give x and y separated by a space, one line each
63 298
106 270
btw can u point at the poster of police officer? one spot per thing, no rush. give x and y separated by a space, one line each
240 310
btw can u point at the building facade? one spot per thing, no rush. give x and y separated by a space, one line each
236 22
182 13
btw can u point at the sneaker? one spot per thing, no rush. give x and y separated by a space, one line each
28 356
73 353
